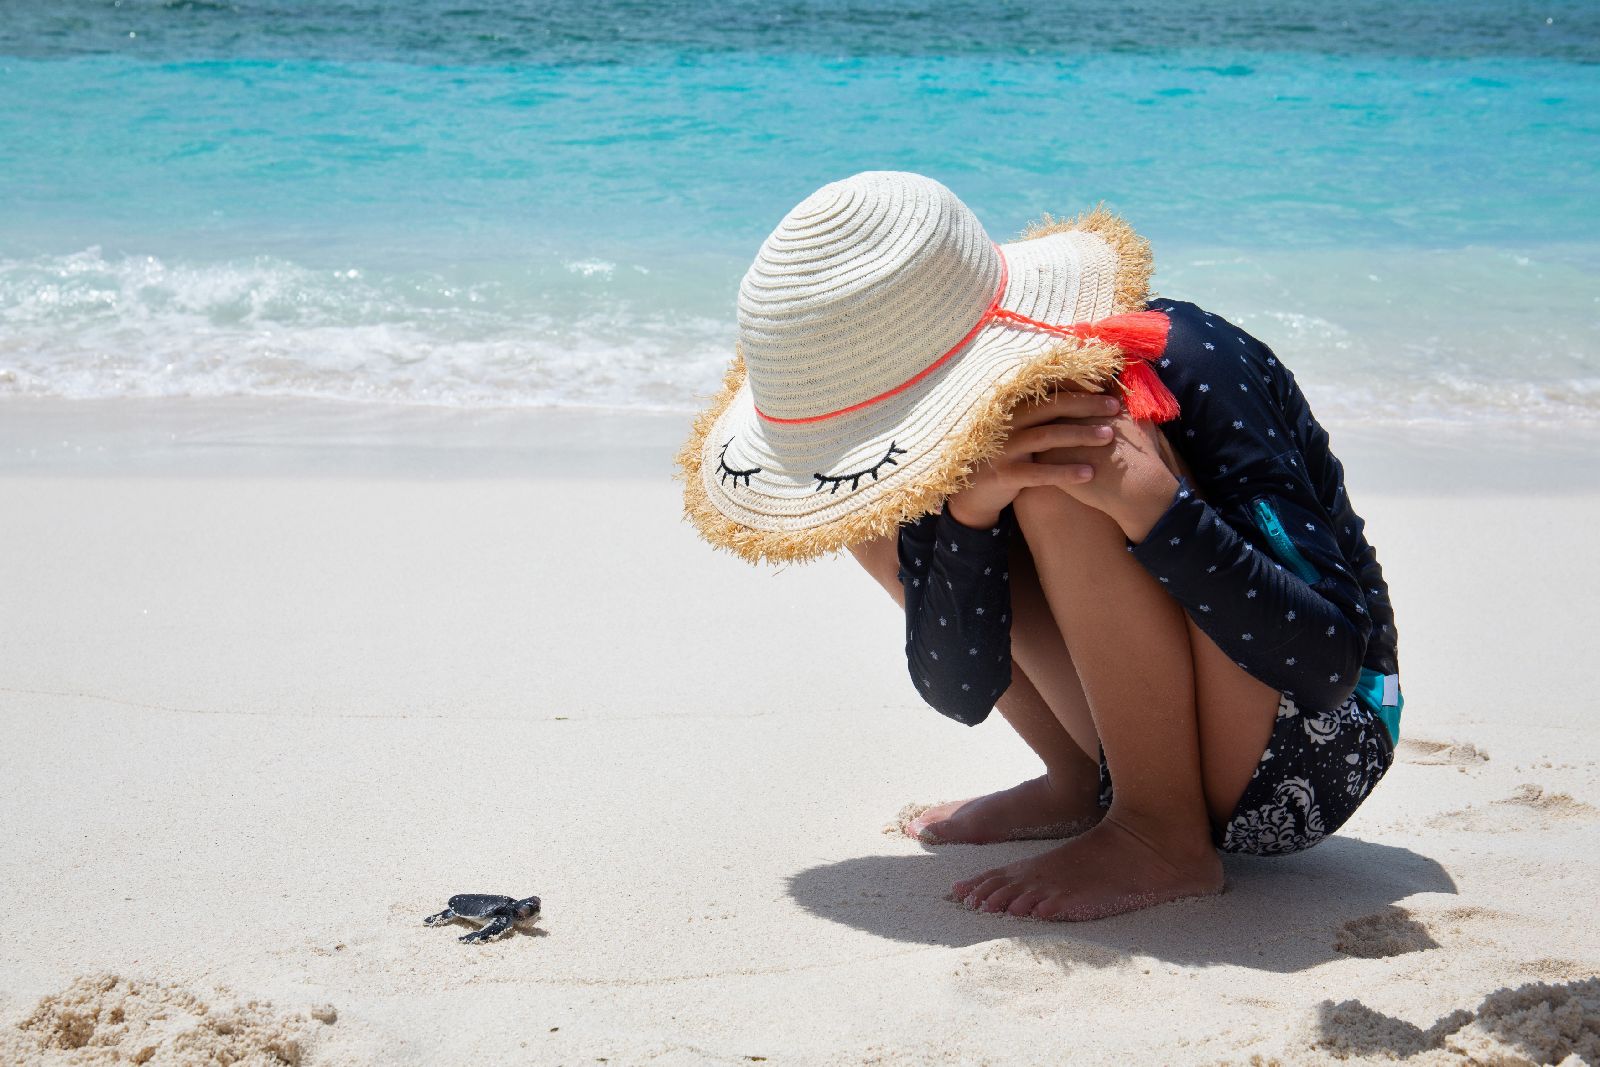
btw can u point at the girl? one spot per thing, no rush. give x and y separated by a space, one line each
1112 515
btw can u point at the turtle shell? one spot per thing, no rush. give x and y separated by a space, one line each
478 905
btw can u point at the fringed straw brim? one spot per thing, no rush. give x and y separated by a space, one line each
975 437
979 440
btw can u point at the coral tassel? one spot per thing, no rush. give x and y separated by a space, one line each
1142 334
1145 395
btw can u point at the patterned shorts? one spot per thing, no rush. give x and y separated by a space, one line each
1316 771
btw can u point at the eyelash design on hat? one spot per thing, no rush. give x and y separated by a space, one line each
725 472
855 479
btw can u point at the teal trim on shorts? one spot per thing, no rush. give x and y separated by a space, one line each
1380 694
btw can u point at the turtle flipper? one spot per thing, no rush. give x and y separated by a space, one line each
440 919
491 930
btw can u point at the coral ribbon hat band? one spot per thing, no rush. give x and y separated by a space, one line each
1141 335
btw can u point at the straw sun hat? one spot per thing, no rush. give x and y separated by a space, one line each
884 340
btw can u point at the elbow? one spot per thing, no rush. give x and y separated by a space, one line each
967 702
1318 698
1341 691
965 712
1343 674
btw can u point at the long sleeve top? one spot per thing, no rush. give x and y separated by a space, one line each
1262 549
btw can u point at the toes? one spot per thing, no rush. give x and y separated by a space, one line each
963 889
1001 898
1052 908
979 896
932 825
1024 903
1072 908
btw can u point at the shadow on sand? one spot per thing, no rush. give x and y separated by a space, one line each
1279 914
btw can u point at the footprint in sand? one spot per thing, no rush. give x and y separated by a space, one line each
1552 969
1555 805
1390 932
1529 807
1023 976
1440 753
1394 931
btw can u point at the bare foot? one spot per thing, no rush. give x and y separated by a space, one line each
1107 870
1034 809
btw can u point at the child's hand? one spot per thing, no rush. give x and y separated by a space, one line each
1076 424
1132 480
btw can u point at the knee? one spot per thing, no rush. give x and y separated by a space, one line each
1043 506
1048 516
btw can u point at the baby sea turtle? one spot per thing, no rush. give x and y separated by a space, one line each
495 912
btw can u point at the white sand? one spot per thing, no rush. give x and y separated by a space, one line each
275 684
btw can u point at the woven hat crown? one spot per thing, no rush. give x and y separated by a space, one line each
859 288
884 342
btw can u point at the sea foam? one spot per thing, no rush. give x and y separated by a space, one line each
91 325
1407 346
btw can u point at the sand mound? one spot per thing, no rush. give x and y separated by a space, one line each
1556 805
1389 932
108 1019
1436 753
1503 816
1530 1024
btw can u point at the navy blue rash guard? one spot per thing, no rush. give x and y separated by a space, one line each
1262 550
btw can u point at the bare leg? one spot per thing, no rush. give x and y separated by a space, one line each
1182 728
1044 704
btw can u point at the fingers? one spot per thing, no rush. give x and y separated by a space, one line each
1052 430
1065 406
1058 435
1051 454
1024 475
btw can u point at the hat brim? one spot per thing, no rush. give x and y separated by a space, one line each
770 491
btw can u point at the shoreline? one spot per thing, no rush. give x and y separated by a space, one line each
288 437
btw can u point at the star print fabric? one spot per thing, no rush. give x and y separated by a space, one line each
958 602
1255 449
1261 466
1294 637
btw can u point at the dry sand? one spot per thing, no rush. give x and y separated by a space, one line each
275 684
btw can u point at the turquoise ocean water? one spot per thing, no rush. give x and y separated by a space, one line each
439 202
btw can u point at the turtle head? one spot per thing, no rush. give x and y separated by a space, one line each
526 909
